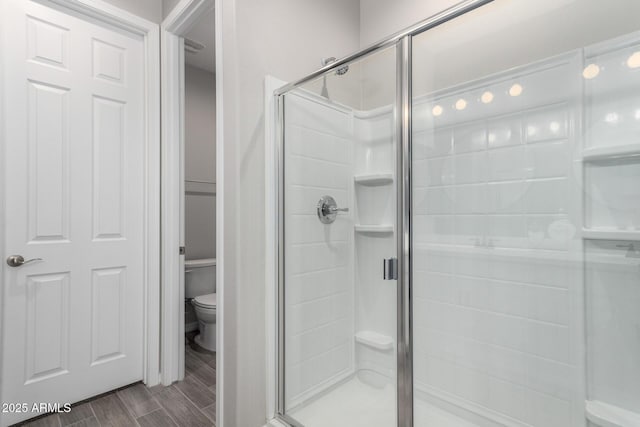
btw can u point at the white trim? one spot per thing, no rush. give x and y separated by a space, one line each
271 181
221 283
184 15
149 31
152 230
176 24
170 200
109 14
2 188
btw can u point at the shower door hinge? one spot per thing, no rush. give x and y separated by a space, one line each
182 250
390 269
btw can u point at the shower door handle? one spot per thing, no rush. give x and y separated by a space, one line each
390 269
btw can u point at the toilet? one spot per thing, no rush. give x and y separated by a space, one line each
200 288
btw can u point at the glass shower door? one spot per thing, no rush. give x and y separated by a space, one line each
338 313
526 119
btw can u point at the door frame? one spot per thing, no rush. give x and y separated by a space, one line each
271 179
173 28
149 32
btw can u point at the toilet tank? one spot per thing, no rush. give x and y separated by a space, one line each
199 277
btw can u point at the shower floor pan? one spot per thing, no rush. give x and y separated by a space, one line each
357 404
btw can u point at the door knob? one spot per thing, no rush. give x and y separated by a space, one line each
18 260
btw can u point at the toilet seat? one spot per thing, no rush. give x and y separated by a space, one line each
206 301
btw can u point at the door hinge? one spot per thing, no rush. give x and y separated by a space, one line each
390 266
182 250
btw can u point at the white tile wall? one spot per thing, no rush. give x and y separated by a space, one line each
612 203
613 322
496 265
613 111
613 194
318 257
375 304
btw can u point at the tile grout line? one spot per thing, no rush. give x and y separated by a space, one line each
204 385
195 377
175 421
94 413
130 409
214 386
195 406
126 407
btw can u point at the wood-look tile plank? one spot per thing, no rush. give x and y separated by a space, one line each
157 418
155 389
185 413
110 411
192 362
78 413
210 411
195 391
206 375
87 422
206 356
52 420
138 400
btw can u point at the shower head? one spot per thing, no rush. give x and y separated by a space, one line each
340 71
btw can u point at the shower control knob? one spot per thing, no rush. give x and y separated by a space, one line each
328 209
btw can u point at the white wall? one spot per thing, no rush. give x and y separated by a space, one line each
381 18
167 6
285 38
200 163
147 9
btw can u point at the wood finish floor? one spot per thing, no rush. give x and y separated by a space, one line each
191 402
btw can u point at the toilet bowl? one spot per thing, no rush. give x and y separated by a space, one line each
200 288
205 306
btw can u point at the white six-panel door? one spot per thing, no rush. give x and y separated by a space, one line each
74 187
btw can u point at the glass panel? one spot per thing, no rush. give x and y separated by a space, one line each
526 216
340 314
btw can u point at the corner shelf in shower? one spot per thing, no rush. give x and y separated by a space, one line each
605 234
374 340
604 414
374 229
374 179
612 152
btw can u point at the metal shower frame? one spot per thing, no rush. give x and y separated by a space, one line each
403 107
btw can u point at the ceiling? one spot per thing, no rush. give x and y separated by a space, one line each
203 32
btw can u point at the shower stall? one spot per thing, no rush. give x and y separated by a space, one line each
459 224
